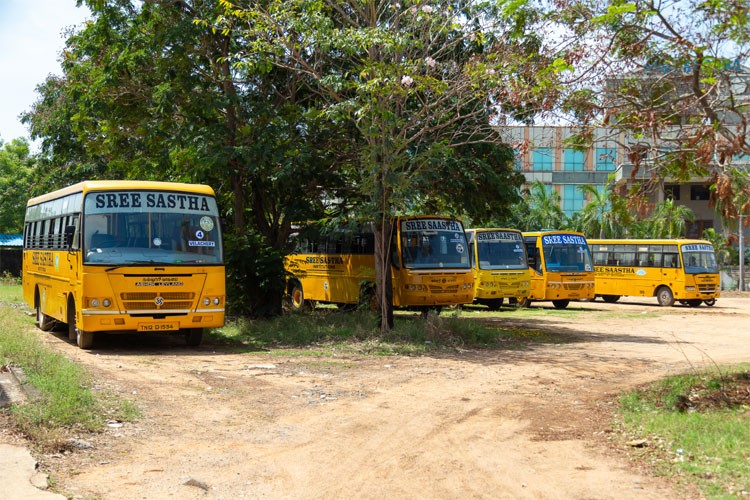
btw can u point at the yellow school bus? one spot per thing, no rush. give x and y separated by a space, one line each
561 267
682 270
429 265
125 256
499 265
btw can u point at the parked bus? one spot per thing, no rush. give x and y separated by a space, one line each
430 265
683 270
499 264
125 256
561 267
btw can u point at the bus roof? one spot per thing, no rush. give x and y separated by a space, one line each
102 185
645 241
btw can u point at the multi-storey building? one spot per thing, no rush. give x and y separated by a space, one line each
545 157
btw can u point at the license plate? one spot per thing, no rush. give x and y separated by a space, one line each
157 327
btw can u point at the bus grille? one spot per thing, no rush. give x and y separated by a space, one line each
439 289
140 301
574 286
706 288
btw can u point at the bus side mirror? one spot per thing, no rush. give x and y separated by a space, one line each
69 232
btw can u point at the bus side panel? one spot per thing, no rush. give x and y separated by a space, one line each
335 279
49 272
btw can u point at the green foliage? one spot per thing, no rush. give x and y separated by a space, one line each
545 210
255 276
15 178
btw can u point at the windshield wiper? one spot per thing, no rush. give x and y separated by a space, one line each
138 263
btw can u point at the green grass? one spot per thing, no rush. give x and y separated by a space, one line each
327 331
10 291
698 427
64 400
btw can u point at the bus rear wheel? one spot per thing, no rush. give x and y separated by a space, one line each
560 304
664 296
83 339
610 299
519 301
44 322
297 295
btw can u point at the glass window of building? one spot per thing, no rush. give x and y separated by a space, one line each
572 199
542 159
573 160
605 159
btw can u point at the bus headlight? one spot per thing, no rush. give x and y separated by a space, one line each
689 288
94 302
206 301
217 301
106 303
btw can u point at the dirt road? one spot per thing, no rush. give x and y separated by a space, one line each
523 423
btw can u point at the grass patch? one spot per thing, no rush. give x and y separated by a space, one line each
10 291
698 428
327 331
65 402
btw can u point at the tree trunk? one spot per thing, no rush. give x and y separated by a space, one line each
383 279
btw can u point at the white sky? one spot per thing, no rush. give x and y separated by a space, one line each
31 39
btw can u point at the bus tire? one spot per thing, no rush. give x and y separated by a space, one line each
368 301
71 317
193 336
694 302
710 302
664 296
610 299
43 322
297 302
83 339
427 310
522 302
494 304
560 304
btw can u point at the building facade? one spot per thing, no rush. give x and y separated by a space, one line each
543 155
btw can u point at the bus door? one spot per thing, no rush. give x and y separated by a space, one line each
671 269
536 268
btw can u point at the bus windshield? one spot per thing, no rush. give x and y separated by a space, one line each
434 243
566 252
150 227
699 259
500 250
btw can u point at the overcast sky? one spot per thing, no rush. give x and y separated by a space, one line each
31 39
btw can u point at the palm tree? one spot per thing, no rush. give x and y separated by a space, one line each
545 211
668 220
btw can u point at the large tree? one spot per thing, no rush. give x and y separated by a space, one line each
149 93
422 83
673 76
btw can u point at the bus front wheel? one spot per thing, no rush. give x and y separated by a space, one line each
560 304
664 296
193 336
84 340
494 304
694 302
710 302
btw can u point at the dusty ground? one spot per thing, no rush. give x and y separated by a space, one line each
529 423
